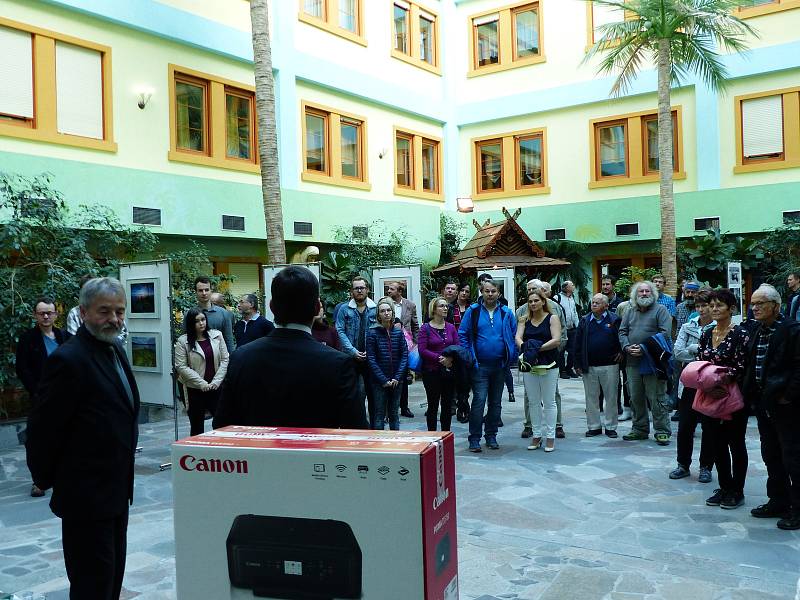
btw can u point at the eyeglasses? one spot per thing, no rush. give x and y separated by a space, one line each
760 304
360 288
45 313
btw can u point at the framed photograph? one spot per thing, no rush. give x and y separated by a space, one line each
405 284
143 299
144 351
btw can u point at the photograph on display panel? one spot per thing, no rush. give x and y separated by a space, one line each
144 351
143 298
383 285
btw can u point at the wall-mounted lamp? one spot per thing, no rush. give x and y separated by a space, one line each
465 204
143 98
382 153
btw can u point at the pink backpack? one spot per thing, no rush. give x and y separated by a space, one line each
704 377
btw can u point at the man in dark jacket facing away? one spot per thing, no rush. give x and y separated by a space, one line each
82 437
288 379
33 348
597 356
772 385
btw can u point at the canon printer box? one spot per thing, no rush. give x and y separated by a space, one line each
271 512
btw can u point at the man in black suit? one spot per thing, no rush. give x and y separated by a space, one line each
288 379
81 441
253 325
33 348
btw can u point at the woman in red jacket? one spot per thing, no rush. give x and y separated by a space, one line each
437 375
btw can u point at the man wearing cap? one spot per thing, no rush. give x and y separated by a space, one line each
685 310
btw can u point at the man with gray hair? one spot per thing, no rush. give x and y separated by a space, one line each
82 437
645 318
253 324
771 385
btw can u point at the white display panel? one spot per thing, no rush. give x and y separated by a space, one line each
409 276
735 285
149 343
269 274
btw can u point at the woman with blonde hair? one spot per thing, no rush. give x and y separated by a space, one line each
538 337
437 370
201 361
387 356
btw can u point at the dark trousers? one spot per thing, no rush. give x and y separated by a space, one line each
566 357
94 555
438 389
509 382
780 450
689 418
365 389
404 394
199 402
730 450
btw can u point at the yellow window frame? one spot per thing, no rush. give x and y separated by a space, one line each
412 57
791 132
416 190
330 21
509 165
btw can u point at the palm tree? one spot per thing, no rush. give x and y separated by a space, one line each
267 131
682 37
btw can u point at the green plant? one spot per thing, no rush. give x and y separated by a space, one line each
452 235
781 247
46 249
577 271
631 275
706 257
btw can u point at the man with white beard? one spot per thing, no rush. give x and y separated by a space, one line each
645 319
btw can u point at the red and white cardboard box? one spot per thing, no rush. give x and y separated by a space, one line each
395 490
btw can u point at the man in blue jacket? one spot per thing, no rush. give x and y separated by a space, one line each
487 330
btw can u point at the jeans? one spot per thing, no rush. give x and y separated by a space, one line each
648 389
487 385
541 392
780 449
689 418
596 379
365 388
387 401
438 387
730 450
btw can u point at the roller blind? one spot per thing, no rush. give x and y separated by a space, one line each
16 73
762 126
79 90
486 19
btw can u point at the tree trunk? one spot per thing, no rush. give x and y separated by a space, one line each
669 267
267 131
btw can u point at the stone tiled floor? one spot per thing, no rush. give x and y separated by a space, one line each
598 518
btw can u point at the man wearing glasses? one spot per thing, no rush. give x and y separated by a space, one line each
33 348
772 385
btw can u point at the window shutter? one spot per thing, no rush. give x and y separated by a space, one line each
762 126
16 73
79 91
486 19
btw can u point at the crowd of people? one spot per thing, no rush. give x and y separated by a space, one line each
301 371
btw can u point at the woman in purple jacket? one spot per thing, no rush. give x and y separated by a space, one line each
437 375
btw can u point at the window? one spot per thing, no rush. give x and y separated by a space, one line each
334 147
650 131
71 80
343 18
555 234
624 149
627 229
146 216
512 164
191 113
705 223
233 223
418 165
755 8
506 38
416 35
212 121
303 228
400 25
238 119
600 15
767 130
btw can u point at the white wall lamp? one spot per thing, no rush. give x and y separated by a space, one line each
143 97
465 204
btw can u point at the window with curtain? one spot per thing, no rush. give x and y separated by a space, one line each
650 130
348 15
611 150
526 31
400 20
762 128
426 39
316 150
490 165
351 148
315 8
529 154
487 46
404 159
238 125
16 74
430 165
190 115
